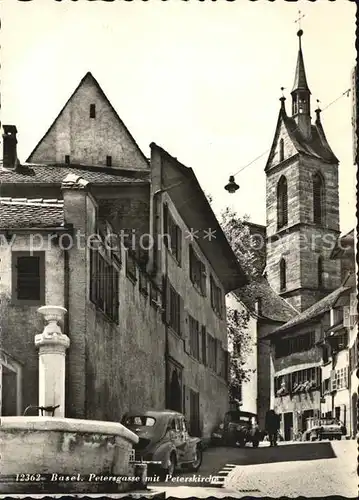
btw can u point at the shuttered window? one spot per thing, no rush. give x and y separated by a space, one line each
197 271
28 281
172 234
194 337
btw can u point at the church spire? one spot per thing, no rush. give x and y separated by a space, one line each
301 94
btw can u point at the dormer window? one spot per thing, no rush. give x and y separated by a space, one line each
92 110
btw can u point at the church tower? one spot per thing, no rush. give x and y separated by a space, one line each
302 202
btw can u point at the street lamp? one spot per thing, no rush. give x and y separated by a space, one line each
232 186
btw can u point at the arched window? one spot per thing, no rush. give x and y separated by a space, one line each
282 274
281 150
282 202
320 271
318 199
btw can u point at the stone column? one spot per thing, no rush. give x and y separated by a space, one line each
52 344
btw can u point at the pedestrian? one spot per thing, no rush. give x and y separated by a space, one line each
272 426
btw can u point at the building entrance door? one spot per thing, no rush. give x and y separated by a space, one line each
288 426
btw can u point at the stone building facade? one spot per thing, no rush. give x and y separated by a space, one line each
302 203
146 319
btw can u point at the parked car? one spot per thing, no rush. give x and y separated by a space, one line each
164 438
324 428
237 429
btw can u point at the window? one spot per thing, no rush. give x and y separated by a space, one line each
339 342
197 271
282 202
143 282
194 337
216 298
92 110
282 274
318 199
67 159
281 150
340 379
28 277
212 353
204 344
131 266
154 296
320 271
104 284
326 386
221 360
109 161
305 380
172 234
300 343
174 306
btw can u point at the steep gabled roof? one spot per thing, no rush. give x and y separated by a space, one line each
316 146
272 306
54 174
93 80
313 312
196 212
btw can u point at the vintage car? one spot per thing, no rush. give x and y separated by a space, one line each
237 429
164 441
324 428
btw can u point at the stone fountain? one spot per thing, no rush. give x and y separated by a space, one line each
55 454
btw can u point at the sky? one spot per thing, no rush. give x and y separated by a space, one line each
201 79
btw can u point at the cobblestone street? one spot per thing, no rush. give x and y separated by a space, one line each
292 469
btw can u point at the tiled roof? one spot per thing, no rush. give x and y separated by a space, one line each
316 146
314 311
36 213
272 306
47 174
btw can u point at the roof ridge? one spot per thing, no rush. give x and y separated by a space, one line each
32 201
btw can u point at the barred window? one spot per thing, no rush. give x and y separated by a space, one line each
197 271
282 203
104 284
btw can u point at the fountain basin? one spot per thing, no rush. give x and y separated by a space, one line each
49 454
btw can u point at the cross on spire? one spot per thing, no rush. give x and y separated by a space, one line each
298 20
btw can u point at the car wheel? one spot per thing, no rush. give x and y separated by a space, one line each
196 464
313 436
255 444
171 468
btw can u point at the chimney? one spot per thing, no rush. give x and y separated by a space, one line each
9 146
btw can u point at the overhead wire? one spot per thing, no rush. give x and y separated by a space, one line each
346 92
